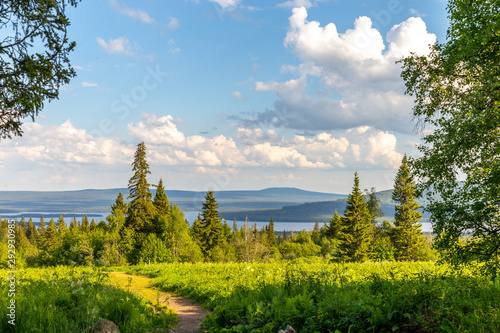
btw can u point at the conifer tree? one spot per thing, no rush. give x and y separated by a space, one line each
407 234
195 230
22 224
373 204
31 232
270 233
41 225
334 227
72 226
316 234
119 208
61 225
141 209
85 226
235 230
161 200
211 224
50 235
356 224
93 225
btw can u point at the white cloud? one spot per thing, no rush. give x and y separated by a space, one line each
120 45
133 13
227 3
173 24
296 3
238 95
172 47
88 84
360 81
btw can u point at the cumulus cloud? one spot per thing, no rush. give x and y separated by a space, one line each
238 95
296 3
356 69
120 45
133 13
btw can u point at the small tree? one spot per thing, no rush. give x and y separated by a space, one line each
211 224
407 234
373 204
356 224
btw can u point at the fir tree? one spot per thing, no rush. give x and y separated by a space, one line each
211 224
31 232
335 224
119 208
22 224
141 209
41 225
195 230
50 235
373 204
61 225
160 200
407 234
356 225
72 226
85 226
93 225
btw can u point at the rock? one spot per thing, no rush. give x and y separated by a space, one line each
103 326
281 331
289 329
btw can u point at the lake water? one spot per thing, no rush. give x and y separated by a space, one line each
190 216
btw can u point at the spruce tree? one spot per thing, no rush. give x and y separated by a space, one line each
72 225
334 227
373 204
160 200
41 225
211 224
356 224
119 208
140 209
93 225
407 234
85 226
49 237
22 224
61 225
31 231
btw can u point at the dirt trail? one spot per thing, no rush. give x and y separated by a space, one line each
190 313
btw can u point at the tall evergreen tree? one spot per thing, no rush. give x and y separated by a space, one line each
373 204
93 225
356 224
41 225
31 232
211 224
140 209
72 225
22 224
407 234
85 226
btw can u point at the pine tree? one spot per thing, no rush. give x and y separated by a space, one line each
373 204
141 209
335 224
119 208
407 234
211 224
61 225
355 230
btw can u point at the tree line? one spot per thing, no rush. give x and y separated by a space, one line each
151 229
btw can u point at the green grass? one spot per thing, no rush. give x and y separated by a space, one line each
317 296
64 299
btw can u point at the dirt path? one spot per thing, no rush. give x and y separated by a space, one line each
190 313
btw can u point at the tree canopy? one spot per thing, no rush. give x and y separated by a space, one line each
457 98
34 59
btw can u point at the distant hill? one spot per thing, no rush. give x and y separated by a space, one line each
91 201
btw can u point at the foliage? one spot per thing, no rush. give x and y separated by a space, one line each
407 233
64 299
355 227
34 59
374 205
314 295
457 96
210 224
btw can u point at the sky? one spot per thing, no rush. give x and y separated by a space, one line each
230 95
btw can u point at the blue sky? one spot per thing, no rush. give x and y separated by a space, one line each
230 94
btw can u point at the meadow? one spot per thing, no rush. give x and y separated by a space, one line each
68 299
315 295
